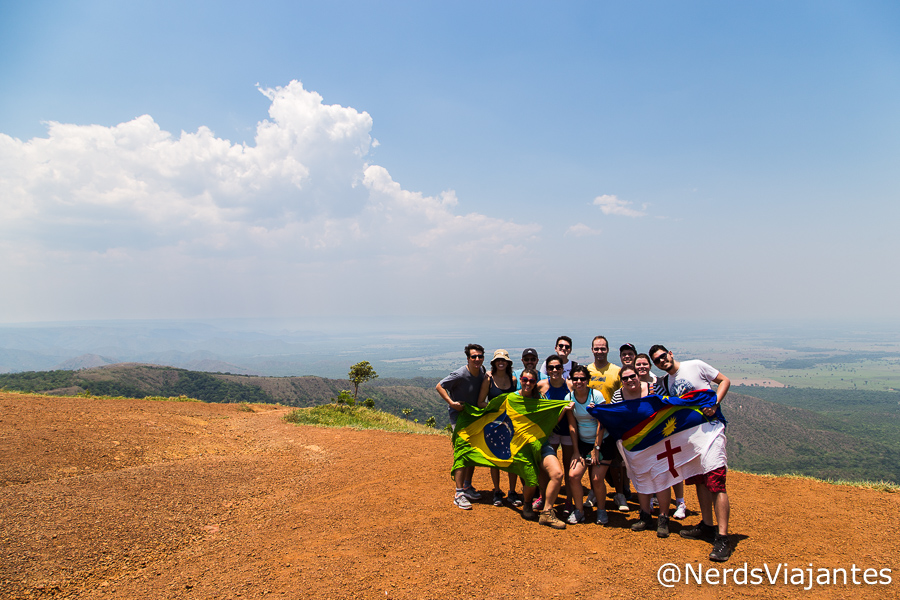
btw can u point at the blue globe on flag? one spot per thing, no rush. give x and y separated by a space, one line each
498 436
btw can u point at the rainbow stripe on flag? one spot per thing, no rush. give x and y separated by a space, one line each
643 422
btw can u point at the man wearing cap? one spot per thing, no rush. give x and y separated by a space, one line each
529 361
627 354
458 388
682 377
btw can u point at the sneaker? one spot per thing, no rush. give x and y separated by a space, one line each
621 503
461 501
548 518
538 503
498 498
513 498
528 513
721 549
680 512
576 516
701 531
643 522
471 493
662 526
591 500
602 517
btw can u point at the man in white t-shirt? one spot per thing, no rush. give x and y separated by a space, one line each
680 378
563 349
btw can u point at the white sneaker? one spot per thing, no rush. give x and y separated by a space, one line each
461 501
680 512
576 516
602 517
621 503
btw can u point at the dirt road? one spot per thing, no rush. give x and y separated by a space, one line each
140 499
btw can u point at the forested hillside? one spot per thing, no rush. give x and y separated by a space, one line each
138 381
820 433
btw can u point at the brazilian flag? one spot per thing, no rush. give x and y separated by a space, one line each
508 434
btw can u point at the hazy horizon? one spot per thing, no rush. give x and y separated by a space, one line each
422 347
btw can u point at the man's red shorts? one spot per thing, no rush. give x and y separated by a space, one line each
714 480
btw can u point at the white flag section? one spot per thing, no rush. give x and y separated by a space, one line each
694 451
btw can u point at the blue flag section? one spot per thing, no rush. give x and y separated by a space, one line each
665 439
643 422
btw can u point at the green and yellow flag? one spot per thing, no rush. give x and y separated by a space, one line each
508 434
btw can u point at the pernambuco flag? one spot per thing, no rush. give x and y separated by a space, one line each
665 439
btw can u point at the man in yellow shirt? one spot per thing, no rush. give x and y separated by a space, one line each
604 374
605 379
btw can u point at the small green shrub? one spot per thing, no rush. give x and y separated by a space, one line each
358 417
344 397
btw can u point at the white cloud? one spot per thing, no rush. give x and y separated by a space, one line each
133 205
581 230
611 205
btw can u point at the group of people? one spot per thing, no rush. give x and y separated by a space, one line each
586 446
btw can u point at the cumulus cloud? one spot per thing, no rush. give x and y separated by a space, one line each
581 230
304 196
611 205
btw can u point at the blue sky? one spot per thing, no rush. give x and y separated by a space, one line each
223 159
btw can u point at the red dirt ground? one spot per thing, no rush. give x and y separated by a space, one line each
141 499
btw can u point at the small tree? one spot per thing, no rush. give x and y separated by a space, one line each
406 411
369 403
361 372
431 421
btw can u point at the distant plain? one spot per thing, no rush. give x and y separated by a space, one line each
863 356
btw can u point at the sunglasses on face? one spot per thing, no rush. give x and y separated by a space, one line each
477 357
629 377
658 359
564 346
579 379
526 379
556 368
